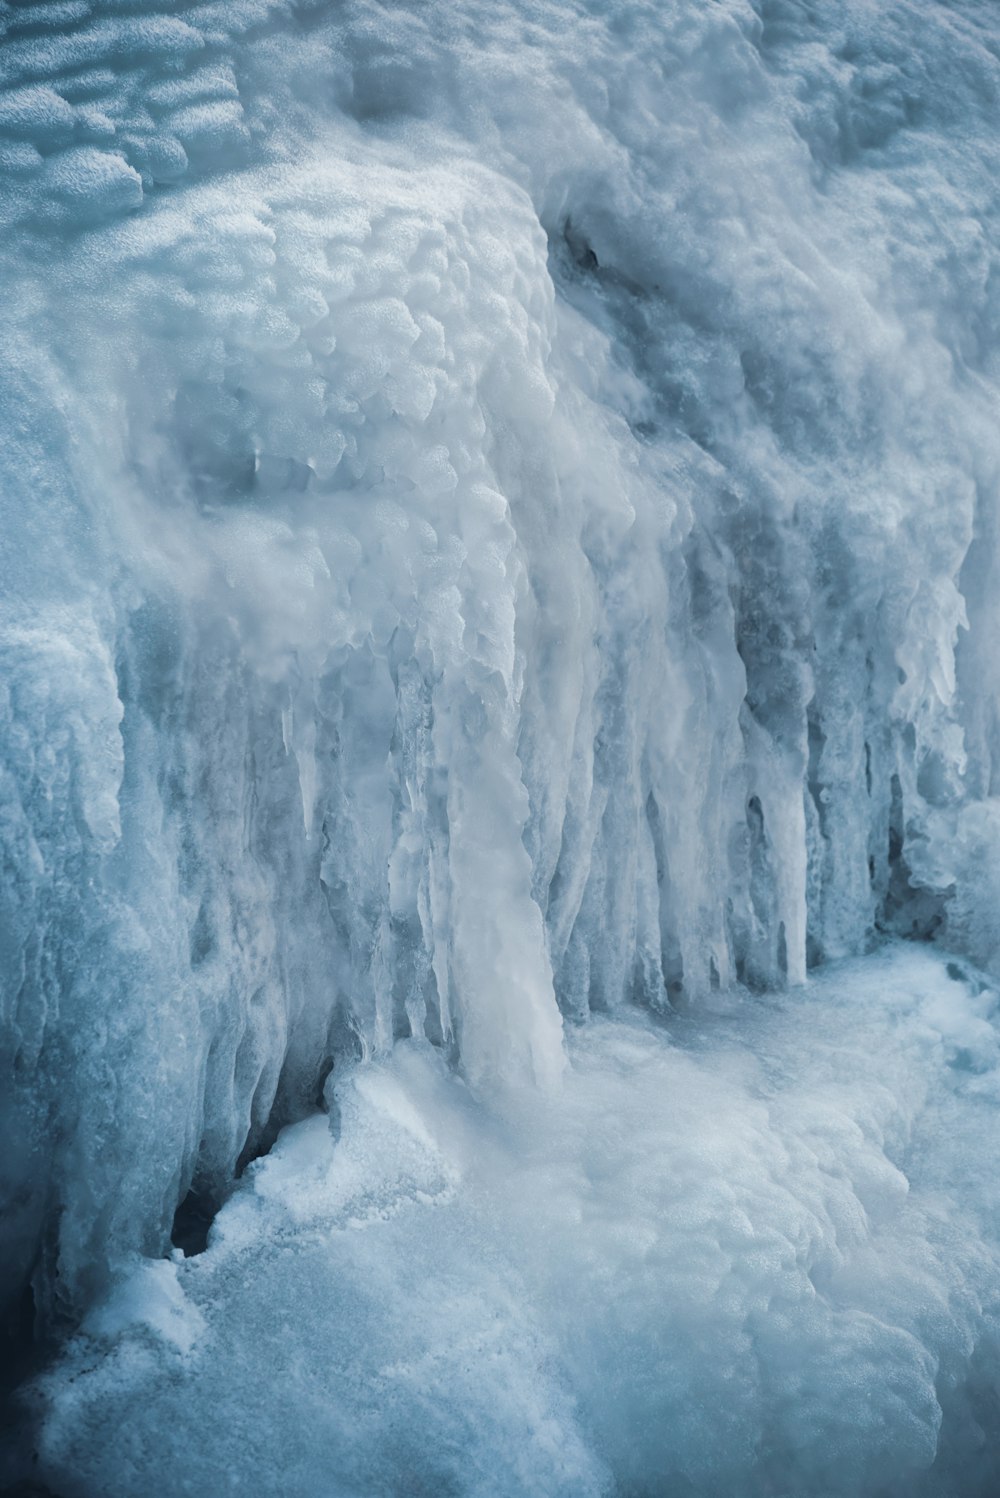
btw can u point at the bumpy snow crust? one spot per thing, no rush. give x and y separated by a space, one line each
760 1260
499 524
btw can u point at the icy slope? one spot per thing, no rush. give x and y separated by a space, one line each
758 1255
499 521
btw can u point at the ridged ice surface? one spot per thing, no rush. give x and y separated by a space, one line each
499 525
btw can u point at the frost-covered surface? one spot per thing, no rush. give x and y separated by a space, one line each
499 521
758 1257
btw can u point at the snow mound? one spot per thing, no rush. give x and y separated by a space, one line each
757 1255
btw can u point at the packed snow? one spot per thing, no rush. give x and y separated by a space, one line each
755 1254
500 561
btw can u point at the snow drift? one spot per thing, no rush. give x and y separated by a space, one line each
761 1259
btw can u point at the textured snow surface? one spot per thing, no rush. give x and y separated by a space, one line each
499 527
755 1255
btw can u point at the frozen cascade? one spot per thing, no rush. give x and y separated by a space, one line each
500 530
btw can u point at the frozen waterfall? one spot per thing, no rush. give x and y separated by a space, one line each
500 579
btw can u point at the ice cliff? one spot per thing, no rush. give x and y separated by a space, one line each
499 524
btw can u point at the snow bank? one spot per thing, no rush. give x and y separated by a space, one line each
755 1255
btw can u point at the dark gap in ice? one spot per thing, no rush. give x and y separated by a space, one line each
28 1488
195 1215
24 1350
193 1220
261 1141
579 248
18 1357
909 910
325 1069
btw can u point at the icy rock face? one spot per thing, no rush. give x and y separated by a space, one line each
499 522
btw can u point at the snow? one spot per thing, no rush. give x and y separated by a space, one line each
750 1254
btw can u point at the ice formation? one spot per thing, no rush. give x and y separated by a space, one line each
499 530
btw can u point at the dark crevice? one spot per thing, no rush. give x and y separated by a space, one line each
909 909
671 957
815 955
201 1205
261 1141
17 1340
193 1220
326 1067
581 251
28 1488
26 1348
818 795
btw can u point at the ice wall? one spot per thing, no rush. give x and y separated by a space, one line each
499 522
